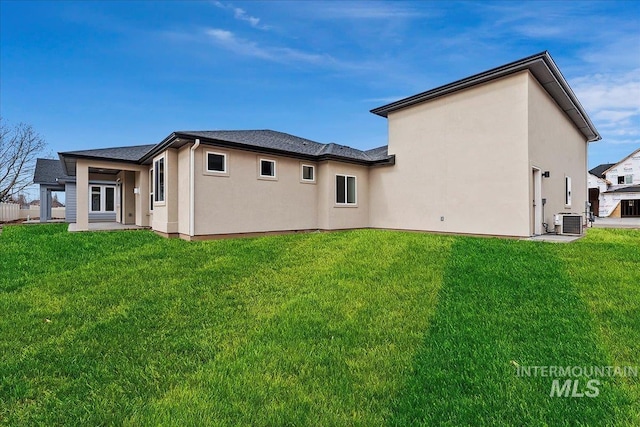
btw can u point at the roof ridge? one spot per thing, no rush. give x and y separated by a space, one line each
111 148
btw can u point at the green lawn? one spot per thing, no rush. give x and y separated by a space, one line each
361 327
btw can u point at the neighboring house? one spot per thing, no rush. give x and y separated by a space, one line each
498 153
620 196
596 185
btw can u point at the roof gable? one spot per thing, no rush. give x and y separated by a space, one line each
541 66
600 169
49 171
127 154
613 165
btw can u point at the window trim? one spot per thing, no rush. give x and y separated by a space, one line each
346 191
273 177
156 200
151 192
567 191
208 171
103 198
302 178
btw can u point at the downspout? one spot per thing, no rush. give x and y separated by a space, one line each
192 186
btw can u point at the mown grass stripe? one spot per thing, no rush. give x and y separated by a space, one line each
604 268
332 335
504 301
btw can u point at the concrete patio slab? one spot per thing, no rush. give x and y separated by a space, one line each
106 226
555 238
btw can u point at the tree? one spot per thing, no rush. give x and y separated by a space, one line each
19 148
21 200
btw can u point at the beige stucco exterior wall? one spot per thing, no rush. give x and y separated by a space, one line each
82 188
165 213
557 146
241 202
462 157
127 184
141 180
332 216
183 189
127 207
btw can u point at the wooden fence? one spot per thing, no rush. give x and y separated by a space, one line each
9 211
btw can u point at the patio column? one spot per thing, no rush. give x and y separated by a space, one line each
43 203
82 196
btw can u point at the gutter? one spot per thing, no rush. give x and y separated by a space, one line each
192 186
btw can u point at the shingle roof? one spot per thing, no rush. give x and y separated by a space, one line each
273 140
379 153
262 139
600 169
258 140
49 171
629 189
129 154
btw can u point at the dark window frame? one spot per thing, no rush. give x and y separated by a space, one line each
159 183
224 162
273 172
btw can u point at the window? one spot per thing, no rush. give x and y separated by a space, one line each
158 188
628 179
567 191
620 179
345 190
308 173
267 168
102 198
95 199
151 189
109 199
216 162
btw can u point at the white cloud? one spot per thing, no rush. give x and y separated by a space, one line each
385 99
615 116
613 102
610 92
229 41
369 10
241 15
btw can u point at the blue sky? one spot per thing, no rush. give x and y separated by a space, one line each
98 74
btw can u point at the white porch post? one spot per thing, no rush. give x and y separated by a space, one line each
82 196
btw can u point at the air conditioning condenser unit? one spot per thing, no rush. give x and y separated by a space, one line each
568 223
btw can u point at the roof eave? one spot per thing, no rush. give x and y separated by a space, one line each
73 157
161 146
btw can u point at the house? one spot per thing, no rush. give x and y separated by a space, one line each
498 153
617 186
595 185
